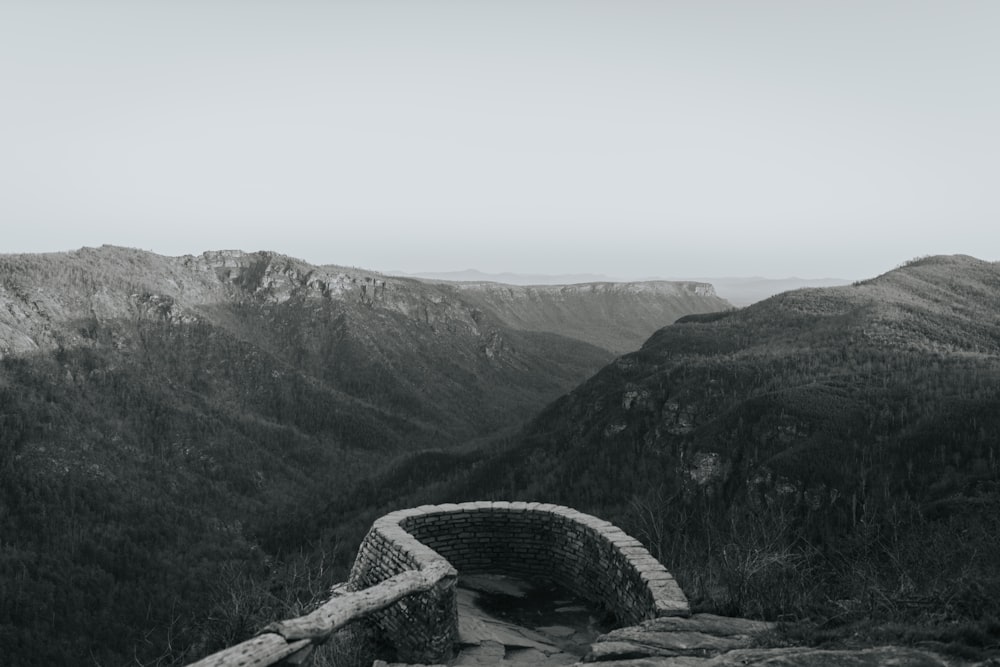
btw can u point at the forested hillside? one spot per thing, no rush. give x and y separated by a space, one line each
829 457
162 418
177 475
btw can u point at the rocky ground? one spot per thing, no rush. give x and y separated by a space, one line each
706 640
503 621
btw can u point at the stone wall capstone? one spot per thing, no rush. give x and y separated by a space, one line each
589 556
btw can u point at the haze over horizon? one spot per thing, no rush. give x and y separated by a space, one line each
631 139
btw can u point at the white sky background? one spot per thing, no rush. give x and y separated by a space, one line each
624 137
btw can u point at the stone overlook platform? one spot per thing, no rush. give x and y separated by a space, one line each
588 556
405 580
405 577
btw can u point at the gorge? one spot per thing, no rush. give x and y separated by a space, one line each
169 424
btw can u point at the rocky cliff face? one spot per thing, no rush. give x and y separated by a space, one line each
43 296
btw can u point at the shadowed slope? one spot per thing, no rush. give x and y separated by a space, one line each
801 455
162 417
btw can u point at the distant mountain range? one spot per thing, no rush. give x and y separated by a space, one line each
161 417
739 291
509 278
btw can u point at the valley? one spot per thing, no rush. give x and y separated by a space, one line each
499 334
194 447
168 423
826 458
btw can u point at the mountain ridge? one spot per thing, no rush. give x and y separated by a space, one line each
191 281
163 419
828 455
738 290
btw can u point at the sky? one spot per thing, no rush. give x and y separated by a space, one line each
630 138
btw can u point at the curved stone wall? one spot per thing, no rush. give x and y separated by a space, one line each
587 555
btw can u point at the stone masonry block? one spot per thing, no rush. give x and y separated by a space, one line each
589 555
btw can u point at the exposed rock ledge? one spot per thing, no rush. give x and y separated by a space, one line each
705 640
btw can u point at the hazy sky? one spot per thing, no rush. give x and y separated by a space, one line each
625 137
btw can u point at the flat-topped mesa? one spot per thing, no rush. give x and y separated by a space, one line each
616 316
589 556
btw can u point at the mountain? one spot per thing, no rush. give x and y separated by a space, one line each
253 329
738 291
163 418
905 365
371 341
829 454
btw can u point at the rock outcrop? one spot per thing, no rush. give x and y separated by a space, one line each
706 640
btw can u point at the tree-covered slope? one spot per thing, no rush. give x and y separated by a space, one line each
161 417
827 453
874 365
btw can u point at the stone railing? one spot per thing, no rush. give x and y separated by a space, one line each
405 576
